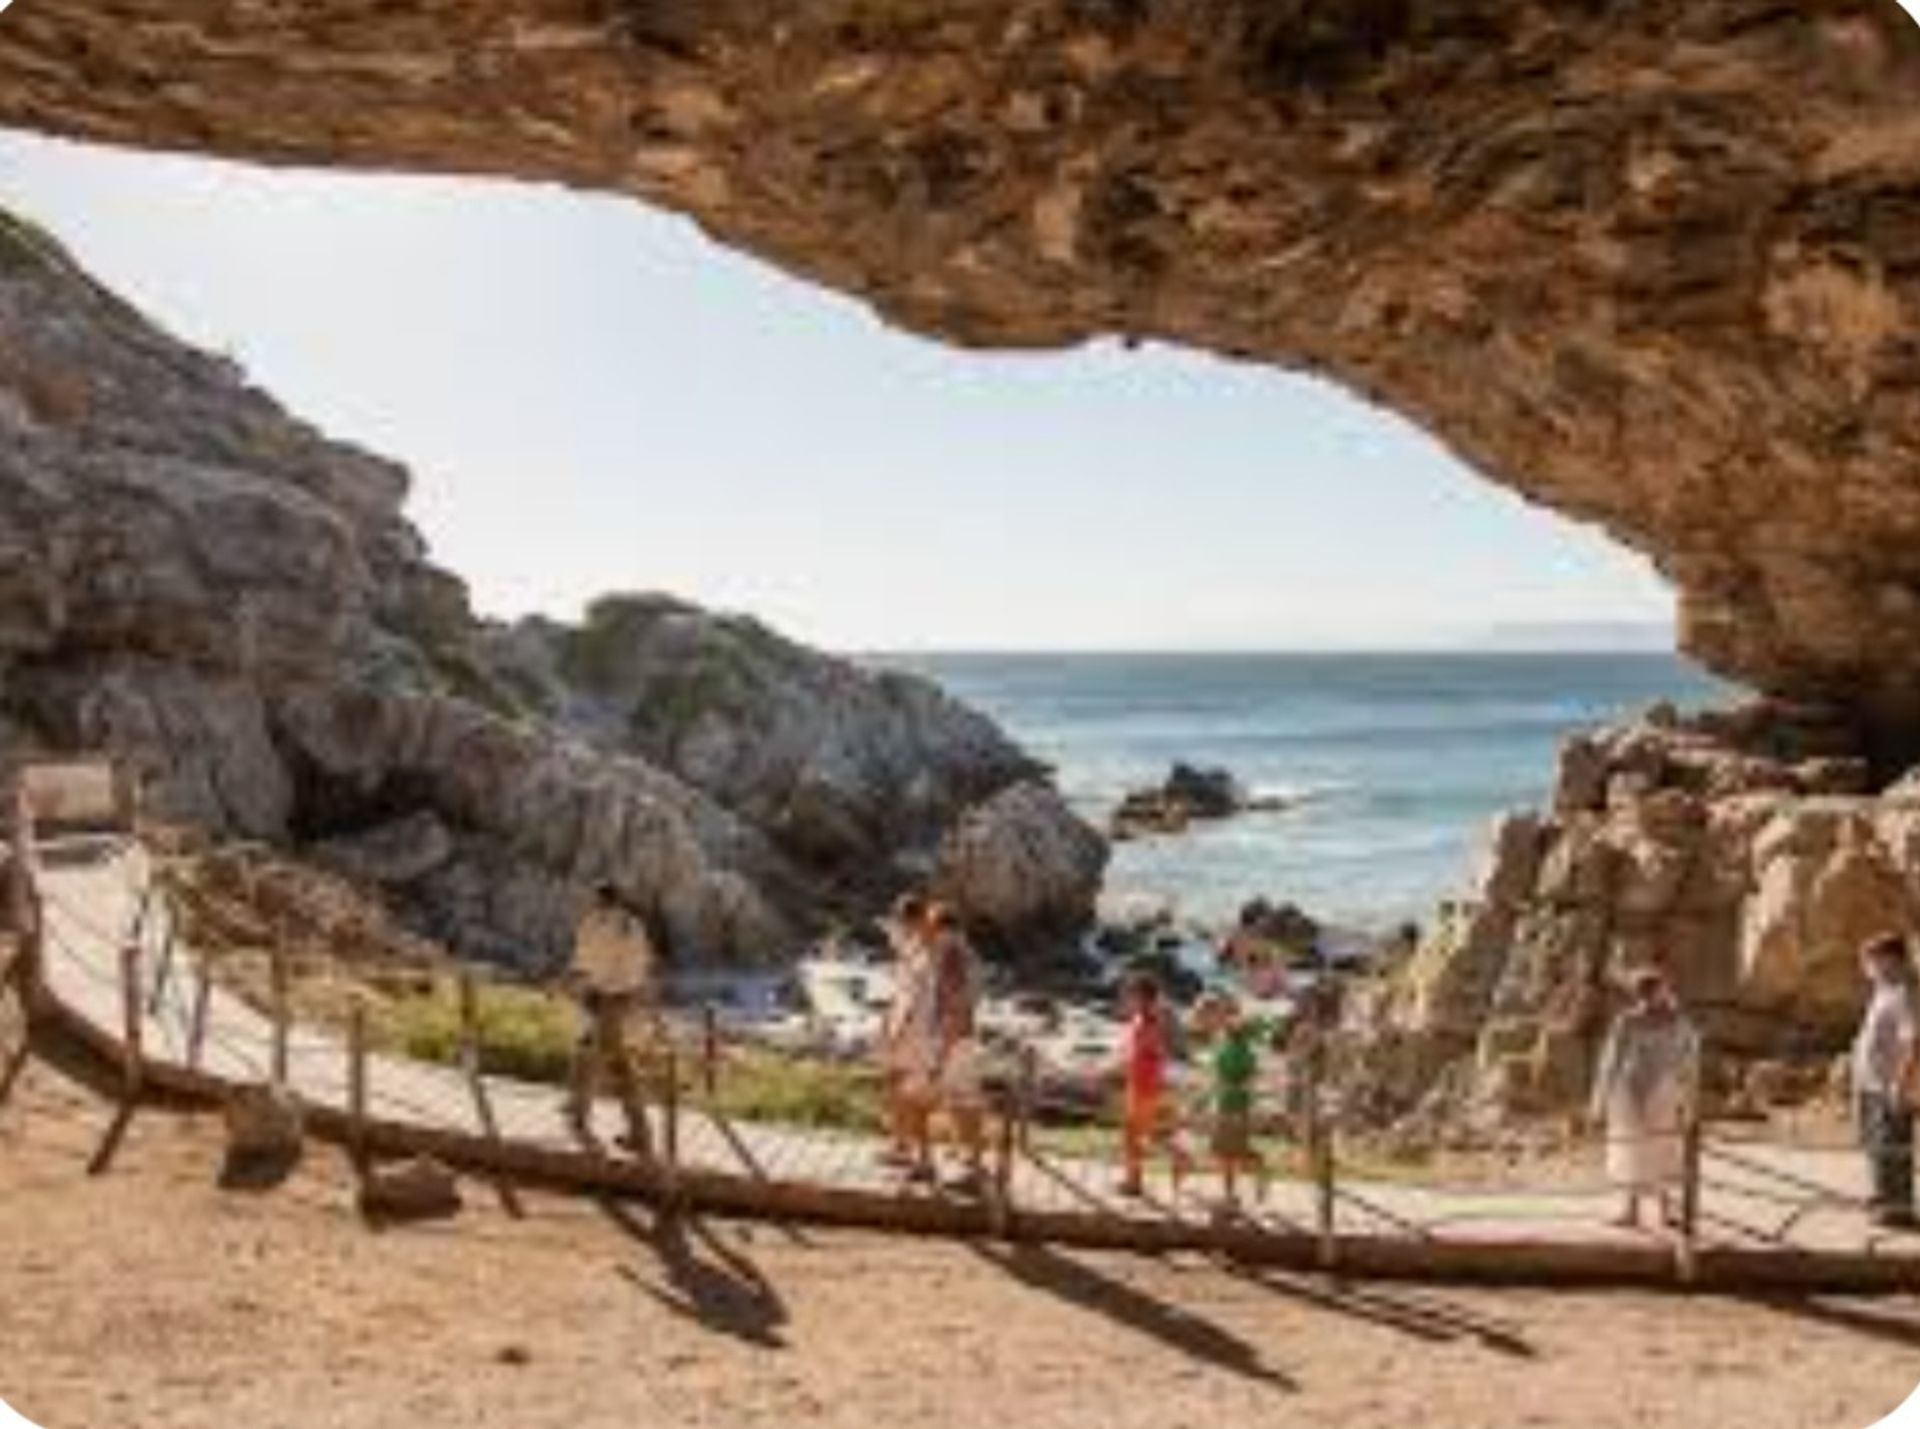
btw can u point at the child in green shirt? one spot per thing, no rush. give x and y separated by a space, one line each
1235 1068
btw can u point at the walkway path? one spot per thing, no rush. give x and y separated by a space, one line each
1774 1215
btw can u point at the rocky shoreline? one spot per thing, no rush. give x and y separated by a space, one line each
199 583
236 605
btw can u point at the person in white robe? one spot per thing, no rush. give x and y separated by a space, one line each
1644 1092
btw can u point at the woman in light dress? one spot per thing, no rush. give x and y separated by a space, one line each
910 1040
1644 1092
929 1053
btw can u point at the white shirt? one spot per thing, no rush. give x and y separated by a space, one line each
612 954
1887 1035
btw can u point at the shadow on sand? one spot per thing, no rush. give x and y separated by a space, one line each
708 1281
1079 1284
1895 1321
1424 1317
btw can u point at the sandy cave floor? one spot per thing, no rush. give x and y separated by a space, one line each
147 1295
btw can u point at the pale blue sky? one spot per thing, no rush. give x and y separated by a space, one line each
593 396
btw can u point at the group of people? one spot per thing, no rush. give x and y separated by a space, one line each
1152 1117
1646 1087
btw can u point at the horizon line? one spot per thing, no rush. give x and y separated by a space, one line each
1185 651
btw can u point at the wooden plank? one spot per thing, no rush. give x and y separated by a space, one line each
1686 1246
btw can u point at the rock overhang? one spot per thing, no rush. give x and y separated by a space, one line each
1652 265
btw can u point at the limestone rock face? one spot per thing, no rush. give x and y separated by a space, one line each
1656 265
845 768
237 606
1712 846
1022 866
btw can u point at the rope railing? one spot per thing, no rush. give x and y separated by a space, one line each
1051 1142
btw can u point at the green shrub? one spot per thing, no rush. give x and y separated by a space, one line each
530 1034
793 1091
524 1033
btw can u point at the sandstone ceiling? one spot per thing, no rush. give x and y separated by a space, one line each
1653 264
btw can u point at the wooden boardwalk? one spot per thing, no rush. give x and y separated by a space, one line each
1772 1217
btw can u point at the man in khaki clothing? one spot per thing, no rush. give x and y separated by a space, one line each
613 977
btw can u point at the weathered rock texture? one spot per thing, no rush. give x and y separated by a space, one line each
193 579
843 767
1653 264
1740 850
1023 862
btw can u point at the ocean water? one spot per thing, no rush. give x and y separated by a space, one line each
1398 762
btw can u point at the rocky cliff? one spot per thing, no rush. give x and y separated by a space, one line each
1746 851
1653 264
193 578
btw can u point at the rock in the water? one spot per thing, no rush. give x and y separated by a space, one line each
1286 925
1209 793
1022 868
1187 794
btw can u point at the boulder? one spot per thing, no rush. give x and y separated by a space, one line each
1285 925
420 1188
1147 812
1206 793
264 1123
1824 886
1187 794
1022 868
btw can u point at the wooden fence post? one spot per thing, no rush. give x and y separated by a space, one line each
357 1082
1000 1208
670 1109
470 1061
1687 1248
282 1009
1320 1152
133 1021
163 971
24 912
1027 1096
710 1051
197 1021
